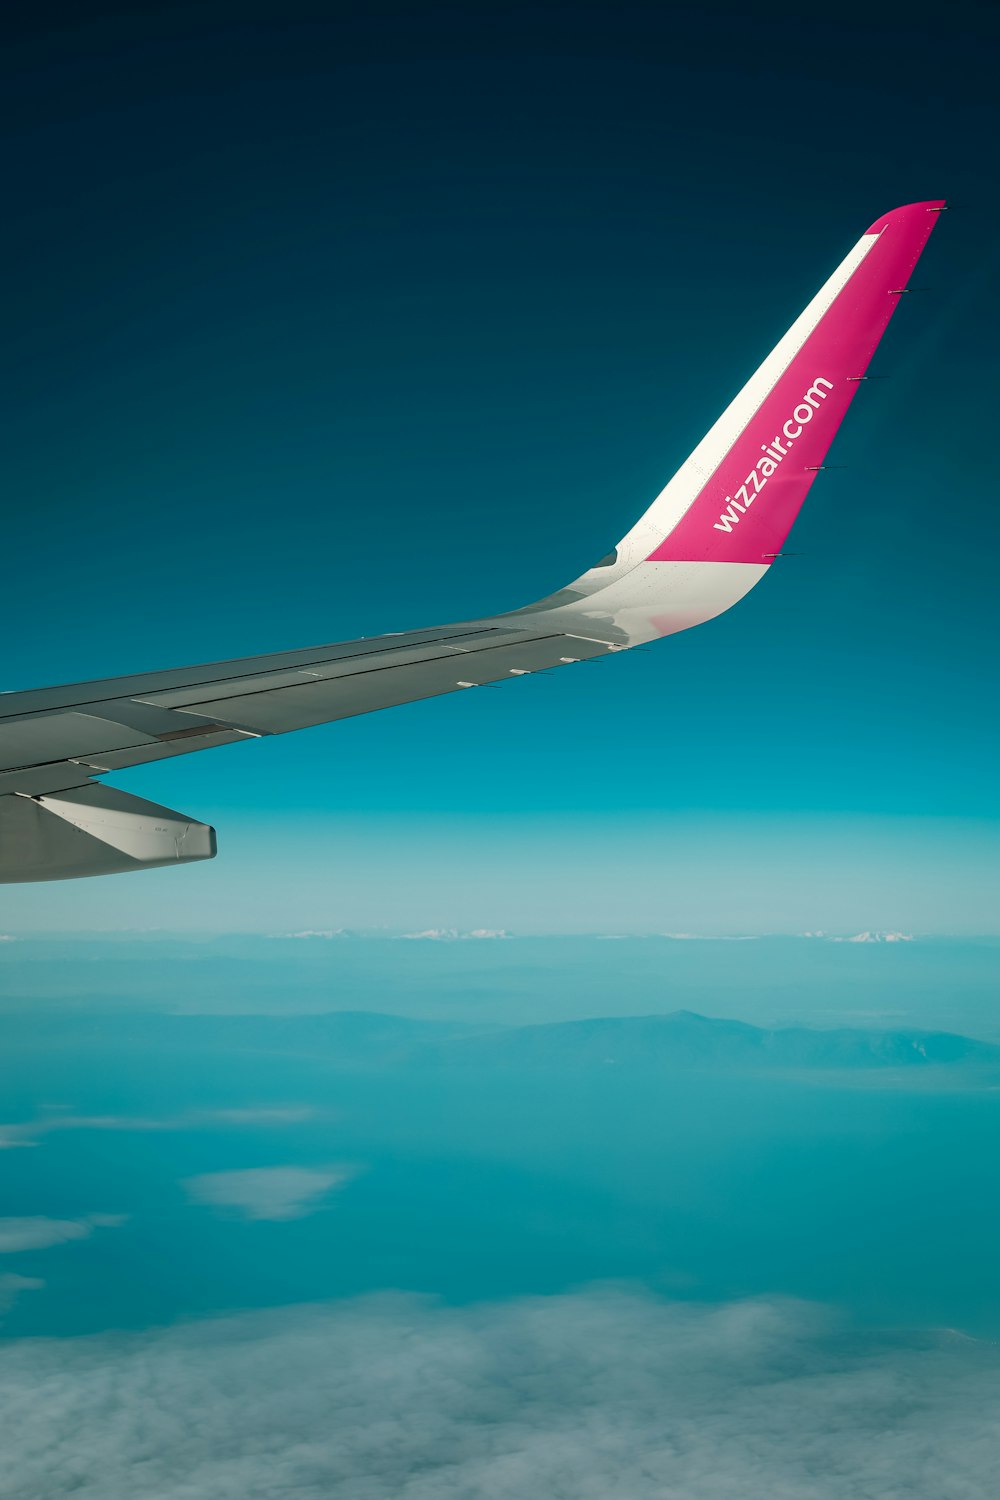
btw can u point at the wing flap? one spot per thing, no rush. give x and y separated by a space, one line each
279 709
210 696
48 752
37 781
48 737
82 695
143 755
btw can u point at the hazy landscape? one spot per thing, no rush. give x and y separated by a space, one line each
263 1196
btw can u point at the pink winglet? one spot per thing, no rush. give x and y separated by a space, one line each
746 509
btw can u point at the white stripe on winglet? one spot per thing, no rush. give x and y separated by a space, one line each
674 500
657 599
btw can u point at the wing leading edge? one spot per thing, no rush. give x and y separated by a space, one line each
706 540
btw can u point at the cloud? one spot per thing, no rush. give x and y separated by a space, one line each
11 1138
452 934
872 937
431 935
37 1233
713 937
11 1287
269 1192
263 1114
26 1132
603 1393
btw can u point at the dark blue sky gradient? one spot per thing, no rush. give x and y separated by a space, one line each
325 321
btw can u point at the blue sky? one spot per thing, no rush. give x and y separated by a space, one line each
366 320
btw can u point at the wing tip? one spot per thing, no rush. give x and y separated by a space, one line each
906 212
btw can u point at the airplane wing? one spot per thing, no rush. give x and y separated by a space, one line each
708 537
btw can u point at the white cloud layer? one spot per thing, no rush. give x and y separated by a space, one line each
604 1395
28 1132
36 1233
269 1192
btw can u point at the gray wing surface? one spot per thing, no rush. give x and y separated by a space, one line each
58 821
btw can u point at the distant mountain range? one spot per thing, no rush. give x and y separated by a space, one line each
454 934
684 1039
362 1040
864 937
679 1040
